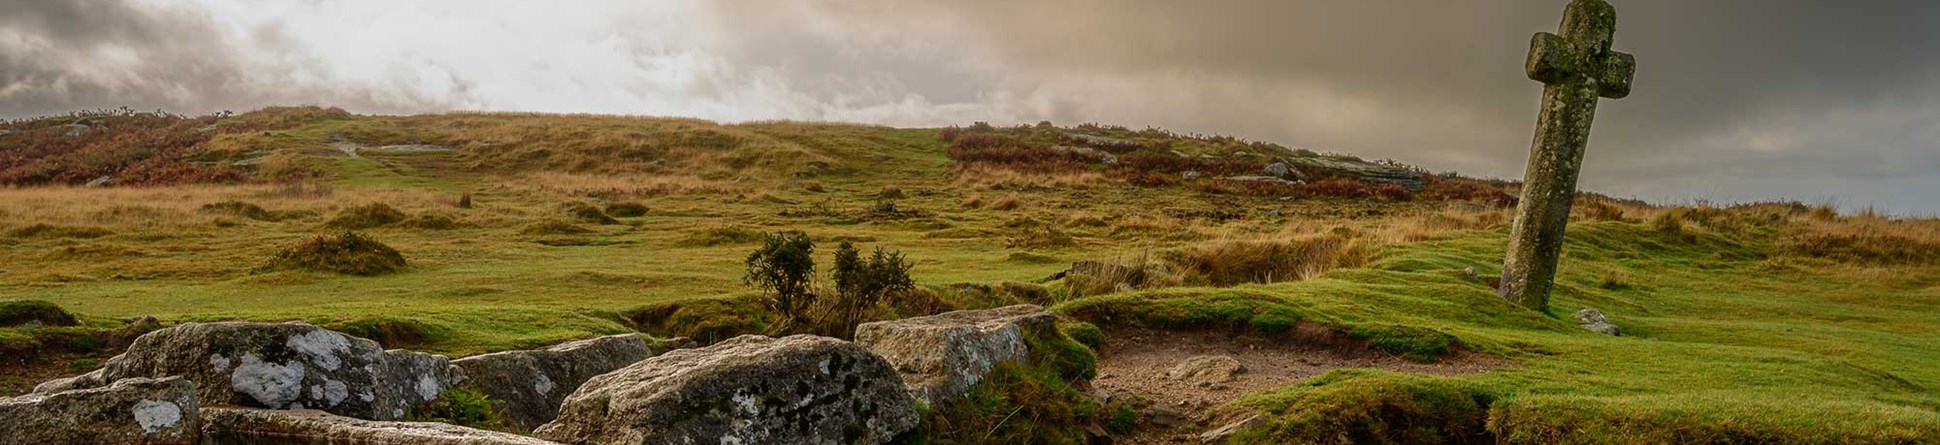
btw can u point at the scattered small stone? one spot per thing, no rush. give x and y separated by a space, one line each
101 181
1218 435
1206 369
1189 175
1164 416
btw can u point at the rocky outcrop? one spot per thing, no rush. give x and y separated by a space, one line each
1285 171
1323 167
306 427
941 356
1595 321
1104 142
533 383
747 390
131 411
1206 370
280 366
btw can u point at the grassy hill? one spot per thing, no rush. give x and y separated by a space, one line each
1747 324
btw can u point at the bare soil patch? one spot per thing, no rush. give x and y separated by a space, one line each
1135 362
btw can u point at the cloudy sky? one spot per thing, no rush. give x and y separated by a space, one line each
1734 99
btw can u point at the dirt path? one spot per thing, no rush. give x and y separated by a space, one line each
1135 363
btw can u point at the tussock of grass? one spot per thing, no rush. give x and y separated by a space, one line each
553 228
242 209
466 407
391 332
34 312
628 209
366 217
1362 406
1231 262
718 236
704 320
587 213
50 231
1227 310
347 253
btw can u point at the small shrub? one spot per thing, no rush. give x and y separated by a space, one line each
16 313
784 268
626 209
861 284
348 253
466 407
1597 210
587 213
366 217
465 200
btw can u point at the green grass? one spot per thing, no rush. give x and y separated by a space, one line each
1737 328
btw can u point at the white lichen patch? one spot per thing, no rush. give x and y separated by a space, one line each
747 402
428 388
824 366
322 346
543 385
219 362
334 392
157 415
271 384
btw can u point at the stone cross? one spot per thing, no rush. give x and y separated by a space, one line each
1575 69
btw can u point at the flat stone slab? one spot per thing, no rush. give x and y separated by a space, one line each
279 366
802 389
534 383
131 411
941 356
246 426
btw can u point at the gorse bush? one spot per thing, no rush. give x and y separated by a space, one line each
861 284
348 253
784 268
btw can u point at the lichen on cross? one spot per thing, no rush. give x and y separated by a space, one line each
1576 68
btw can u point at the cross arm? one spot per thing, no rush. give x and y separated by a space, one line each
1613 80
1549 57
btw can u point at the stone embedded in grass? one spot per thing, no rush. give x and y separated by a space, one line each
348 253
131 411
534 383
1594 321
279 366
941 356
751 389
366 216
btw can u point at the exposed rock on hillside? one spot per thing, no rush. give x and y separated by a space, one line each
279 366
1322 167
1206 369
533 383
941 356
750 389
254 426
1594 321
131 411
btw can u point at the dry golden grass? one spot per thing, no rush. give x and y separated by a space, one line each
622 186
175 208
985 177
